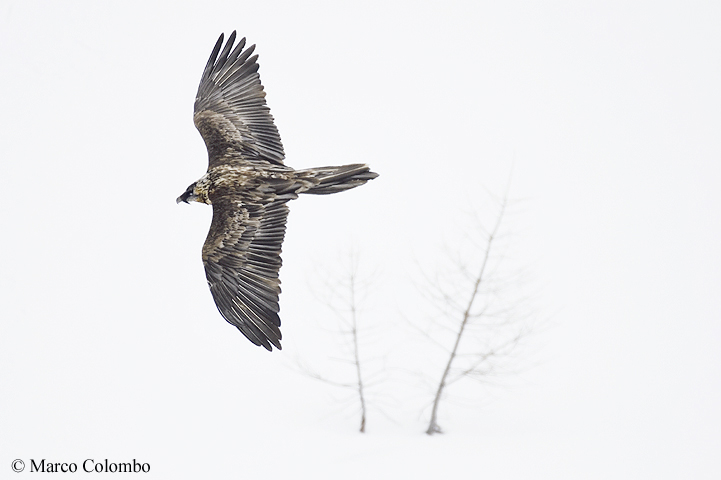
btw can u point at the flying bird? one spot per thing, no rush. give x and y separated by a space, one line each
249 188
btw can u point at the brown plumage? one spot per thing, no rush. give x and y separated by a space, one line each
249 188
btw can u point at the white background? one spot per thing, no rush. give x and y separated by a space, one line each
608 113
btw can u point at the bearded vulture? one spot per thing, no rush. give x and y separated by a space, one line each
249 188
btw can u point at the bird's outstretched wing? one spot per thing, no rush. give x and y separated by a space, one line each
230 110
242 257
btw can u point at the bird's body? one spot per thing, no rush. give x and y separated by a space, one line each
249 188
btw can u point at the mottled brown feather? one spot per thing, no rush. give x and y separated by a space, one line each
230 111
241 256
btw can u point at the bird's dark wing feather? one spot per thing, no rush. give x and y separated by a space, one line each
242 258
230 110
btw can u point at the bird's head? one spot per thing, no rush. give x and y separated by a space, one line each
189 195
197 192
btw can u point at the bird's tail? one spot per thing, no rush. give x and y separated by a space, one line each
337 179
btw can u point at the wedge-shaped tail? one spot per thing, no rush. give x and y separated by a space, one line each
337 179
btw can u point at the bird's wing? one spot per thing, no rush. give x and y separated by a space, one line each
230 110
242 258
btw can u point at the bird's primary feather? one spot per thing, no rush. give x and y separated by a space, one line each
230 110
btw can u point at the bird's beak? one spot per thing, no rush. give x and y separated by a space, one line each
183 198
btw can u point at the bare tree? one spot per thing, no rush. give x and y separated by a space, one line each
352 330
476 314
342 295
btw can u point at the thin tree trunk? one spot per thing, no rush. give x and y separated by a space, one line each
356 355
433 424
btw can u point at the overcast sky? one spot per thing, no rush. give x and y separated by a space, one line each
608 115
